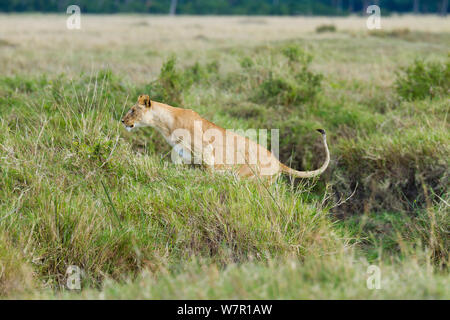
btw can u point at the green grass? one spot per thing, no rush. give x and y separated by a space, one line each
76 189
341 277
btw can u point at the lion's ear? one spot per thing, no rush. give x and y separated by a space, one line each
144 100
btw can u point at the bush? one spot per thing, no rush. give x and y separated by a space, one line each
298 86
278 90
247 62
423 79
326 28
172 81
295 54
200 74
170 84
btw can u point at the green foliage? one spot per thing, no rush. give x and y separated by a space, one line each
87 193
295 54
198 74
298 86
393 230
424 79
397 175
336 277
247 63
278 90
172 81
86 199
170 84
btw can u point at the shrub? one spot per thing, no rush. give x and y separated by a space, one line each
326 28
295 54
423 79
172 81
278 90
309 83
198 73
213 67
169 85
298 86
194 73
247 62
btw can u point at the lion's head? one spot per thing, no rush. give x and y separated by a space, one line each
134 118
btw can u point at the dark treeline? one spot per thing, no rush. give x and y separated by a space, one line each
228 7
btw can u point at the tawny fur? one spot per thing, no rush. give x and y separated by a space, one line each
167 119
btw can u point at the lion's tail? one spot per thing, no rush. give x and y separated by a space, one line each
314 173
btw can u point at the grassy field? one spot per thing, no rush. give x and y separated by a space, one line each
77 189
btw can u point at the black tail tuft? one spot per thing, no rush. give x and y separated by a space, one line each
321 131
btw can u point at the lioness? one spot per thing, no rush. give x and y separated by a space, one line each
211 145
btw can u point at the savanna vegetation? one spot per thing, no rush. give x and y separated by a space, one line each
77 189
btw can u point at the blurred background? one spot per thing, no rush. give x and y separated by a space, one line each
231 7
